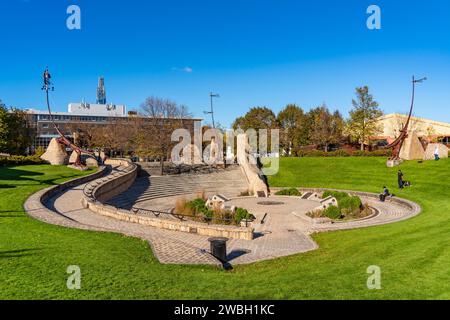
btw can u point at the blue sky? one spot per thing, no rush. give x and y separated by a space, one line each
254 53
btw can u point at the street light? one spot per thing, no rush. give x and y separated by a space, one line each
211 112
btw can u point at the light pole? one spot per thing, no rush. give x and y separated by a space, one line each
211 112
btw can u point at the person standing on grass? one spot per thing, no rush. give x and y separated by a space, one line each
401 183
436 153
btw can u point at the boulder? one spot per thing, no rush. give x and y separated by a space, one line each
56 153
84 158
412 148
91 163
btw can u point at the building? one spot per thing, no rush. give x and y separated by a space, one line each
81 115
84 116
425 129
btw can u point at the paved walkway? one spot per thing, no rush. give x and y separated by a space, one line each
282 234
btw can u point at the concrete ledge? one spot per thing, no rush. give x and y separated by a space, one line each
174 225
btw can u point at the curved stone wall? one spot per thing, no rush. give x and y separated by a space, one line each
119 181
98 192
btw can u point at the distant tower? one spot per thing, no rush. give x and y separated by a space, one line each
101 93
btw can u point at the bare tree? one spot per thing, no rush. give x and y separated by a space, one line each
160 118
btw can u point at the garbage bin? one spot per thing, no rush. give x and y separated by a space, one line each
219 248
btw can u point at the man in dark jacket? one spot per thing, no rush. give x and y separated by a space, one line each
401 183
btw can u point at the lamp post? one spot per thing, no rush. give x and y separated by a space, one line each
211 112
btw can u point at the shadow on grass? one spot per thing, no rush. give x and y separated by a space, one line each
6 186
7 173
18 253
14 174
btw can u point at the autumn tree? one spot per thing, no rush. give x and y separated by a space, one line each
363 117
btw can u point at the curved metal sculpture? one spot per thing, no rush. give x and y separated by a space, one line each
397 145
62 139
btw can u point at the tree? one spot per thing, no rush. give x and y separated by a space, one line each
3 127
326 127
257 118
15 134
162 117
292 122
363 117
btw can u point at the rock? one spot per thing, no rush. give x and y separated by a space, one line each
56 153
91 162
84 158
412 148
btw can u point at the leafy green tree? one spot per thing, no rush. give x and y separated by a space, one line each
363 117
326 127
3 127
257 118
294 129
15 134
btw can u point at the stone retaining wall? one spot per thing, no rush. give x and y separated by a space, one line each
115 184
98 192
175 225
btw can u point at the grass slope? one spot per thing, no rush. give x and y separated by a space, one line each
413 255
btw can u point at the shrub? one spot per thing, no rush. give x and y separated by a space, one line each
20 160
333 212
242 214
343 153
289 192
347 205
336 194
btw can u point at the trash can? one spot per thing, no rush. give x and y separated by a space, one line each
219 248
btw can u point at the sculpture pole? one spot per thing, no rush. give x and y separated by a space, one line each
62 139
397 145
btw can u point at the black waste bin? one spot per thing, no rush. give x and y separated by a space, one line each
219 248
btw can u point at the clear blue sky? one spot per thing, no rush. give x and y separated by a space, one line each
254 53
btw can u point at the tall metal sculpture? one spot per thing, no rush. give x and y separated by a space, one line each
397 145
62 139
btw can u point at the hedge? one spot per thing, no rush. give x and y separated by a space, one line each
344 153
20 160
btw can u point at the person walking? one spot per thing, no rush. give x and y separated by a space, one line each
436 153
401 183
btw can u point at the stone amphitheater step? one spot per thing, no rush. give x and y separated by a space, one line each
229 182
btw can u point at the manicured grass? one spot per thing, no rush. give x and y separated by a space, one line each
413 255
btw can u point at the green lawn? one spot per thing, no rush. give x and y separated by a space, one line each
414 255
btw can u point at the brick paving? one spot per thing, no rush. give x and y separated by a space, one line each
283 233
